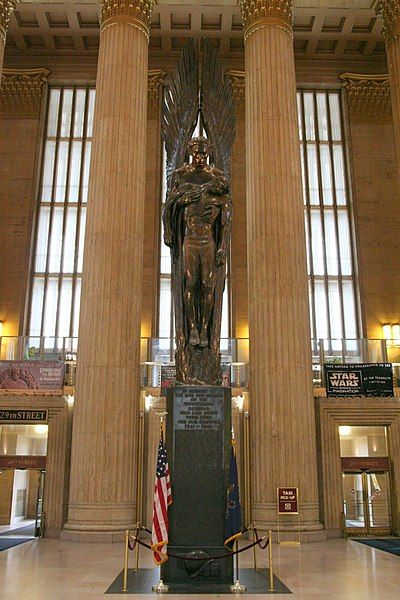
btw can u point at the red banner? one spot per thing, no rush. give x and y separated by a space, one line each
287 500
23 462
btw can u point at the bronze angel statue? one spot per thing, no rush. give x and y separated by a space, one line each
198 209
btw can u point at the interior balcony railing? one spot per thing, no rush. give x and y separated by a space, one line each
156 353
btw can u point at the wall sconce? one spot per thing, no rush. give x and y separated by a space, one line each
239 402
391 333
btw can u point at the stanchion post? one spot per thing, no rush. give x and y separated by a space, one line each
237 587
137 548
254 549
271 572
125 580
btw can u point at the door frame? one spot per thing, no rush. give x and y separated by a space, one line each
368 530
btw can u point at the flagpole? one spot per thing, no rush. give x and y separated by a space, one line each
161 587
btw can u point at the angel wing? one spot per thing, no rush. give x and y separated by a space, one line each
180 109
218 108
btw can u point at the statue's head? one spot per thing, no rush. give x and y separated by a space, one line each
199 148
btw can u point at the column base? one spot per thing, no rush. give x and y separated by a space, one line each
92 537
98 523
311 530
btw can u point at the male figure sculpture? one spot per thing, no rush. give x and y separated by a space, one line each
197 219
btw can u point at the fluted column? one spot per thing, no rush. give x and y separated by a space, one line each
390 13
6 8
102 484
281 394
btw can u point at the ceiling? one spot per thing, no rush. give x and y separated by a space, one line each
327 29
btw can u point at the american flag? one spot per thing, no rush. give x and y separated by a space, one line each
162 499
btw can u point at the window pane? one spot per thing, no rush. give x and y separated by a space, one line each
330 244
335 116
350 322
299 116
344 243
82 227
339 175
92 95
42 239
313 174
77 303
165 308
307 243
48 169
317 243
303 176
321 313
62 162
36 306
79 112
309 115
326 173
225 313
165 262
69 240
335 311
53 112
310 298
86 169
64 318
50 307
322 117
66 113
56 240
75 170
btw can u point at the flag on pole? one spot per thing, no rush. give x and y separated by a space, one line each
233 515
162 499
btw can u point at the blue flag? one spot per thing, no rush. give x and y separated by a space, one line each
233 515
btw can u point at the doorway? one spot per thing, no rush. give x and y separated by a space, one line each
366 503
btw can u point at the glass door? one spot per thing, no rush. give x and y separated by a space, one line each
39 518
366 499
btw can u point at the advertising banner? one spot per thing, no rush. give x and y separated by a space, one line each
287 500
369 379
31 375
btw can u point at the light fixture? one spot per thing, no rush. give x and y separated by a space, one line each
148 401
40 429
344 430
239 402
391 333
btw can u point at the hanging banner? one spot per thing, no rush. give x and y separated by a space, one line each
287 500
369 379
31 375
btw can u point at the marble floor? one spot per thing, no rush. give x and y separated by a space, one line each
338 570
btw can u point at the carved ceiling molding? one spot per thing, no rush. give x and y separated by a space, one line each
136 13
22 91
6 8
155 80
368 96
389 10
237 82
262 13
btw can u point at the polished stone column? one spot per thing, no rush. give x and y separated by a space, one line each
283 448
103 468
390 13
6 8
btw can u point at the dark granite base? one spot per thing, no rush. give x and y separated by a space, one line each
141 582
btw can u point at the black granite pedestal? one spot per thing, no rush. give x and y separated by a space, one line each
198 448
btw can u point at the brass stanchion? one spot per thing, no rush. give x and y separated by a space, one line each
125 580
137 548
271 572
237 587
254 549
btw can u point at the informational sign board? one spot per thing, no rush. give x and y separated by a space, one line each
168 376
31 375
365 463
287 500
369 379
23 462
11 415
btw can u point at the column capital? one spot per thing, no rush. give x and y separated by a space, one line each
136 13
22 91
389 10
368 96
237 81
6 8
155 79
261 13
